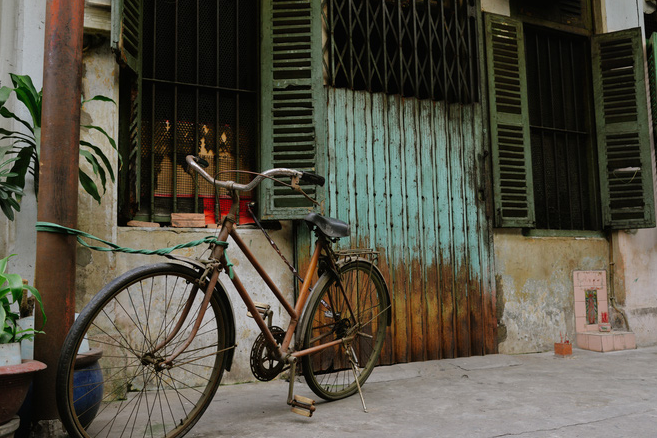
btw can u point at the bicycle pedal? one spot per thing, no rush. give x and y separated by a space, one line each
262 308
303 406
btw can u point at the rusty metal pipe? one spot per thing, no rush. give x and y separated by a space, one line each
58 189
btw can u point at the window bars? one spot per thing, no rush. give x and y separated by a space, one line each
199 96
417 48
560 133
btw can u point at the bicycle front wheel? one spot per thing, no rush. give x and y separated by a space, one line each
356 312
110 381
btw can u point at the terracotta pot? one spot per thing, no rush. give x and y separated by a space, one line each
14 383
563 349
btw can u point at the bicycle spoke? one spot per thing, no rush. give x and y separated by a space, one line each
133 396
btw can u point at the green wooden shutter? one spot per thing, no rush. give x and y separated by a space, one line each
127 44
509 122
651 58
293 101
126 32
623 137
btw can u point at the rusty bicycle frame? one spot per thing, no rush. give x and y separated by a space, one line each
219 262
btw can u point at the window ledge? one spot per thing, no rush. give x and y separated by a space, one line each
582 234
97 16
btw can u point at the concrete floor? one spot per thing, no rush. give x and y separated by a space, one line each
536 395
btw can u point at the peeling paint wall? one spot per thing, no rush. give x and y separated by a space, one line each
95 269
246 328
636 267
100 76
534 279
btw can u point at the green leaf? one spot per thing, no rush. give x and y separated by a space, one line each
88 185
98 170
100 154
31 99
5 92
14 134
14 204
102 131
6 209
3 268
37 297
30 104
4 112
3 319
99 98
11 188
37 141
15 283
20 167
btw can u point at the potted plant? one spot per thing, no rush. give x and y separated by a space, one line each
15 374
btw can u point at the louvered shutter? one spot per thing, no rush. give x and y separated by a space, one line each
127 44
509 122
651 58
126 32
624 151
293 102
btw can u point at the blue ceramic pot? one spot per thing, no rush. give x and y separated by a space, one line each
88 392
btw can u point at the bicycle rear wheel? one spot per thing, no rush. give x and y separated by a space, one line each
358 315
125 394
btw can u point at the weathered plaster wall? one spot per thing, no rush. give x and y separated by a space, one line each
496 7
535 301
636 257
100 76
246 328
95 269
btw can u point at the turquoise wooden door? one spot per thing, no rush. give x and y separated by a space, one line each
408 175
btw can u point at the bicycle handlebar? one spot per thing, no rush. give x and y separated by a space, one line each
196 163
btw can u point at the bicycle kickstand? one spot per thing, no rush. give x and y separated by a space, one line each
353 369
300 405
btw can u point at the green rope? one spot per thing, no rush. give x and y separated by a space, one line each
56 228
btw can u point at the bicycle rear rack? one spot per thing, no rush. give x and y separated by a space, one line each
350 254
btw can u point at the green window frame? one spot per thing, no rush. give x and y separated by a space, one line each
291 104
621 116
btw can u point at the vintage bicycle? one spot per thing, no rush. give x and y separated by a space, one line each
160 337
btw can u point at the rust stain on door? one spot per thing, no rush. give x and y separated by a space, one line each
407 175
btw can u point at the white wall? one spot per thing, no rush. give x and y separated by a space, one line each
22 32
623 14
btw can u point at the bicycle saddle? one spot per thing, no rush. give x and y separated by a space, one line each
329 227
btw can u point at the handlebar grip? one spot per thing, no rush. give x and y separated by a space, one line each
200 161
313 178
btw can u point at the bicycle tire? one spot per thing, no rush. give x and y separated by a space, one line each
126 319
328 372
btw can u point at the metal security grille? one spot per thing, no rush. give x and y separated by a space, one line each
199 96
421 48
560 130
